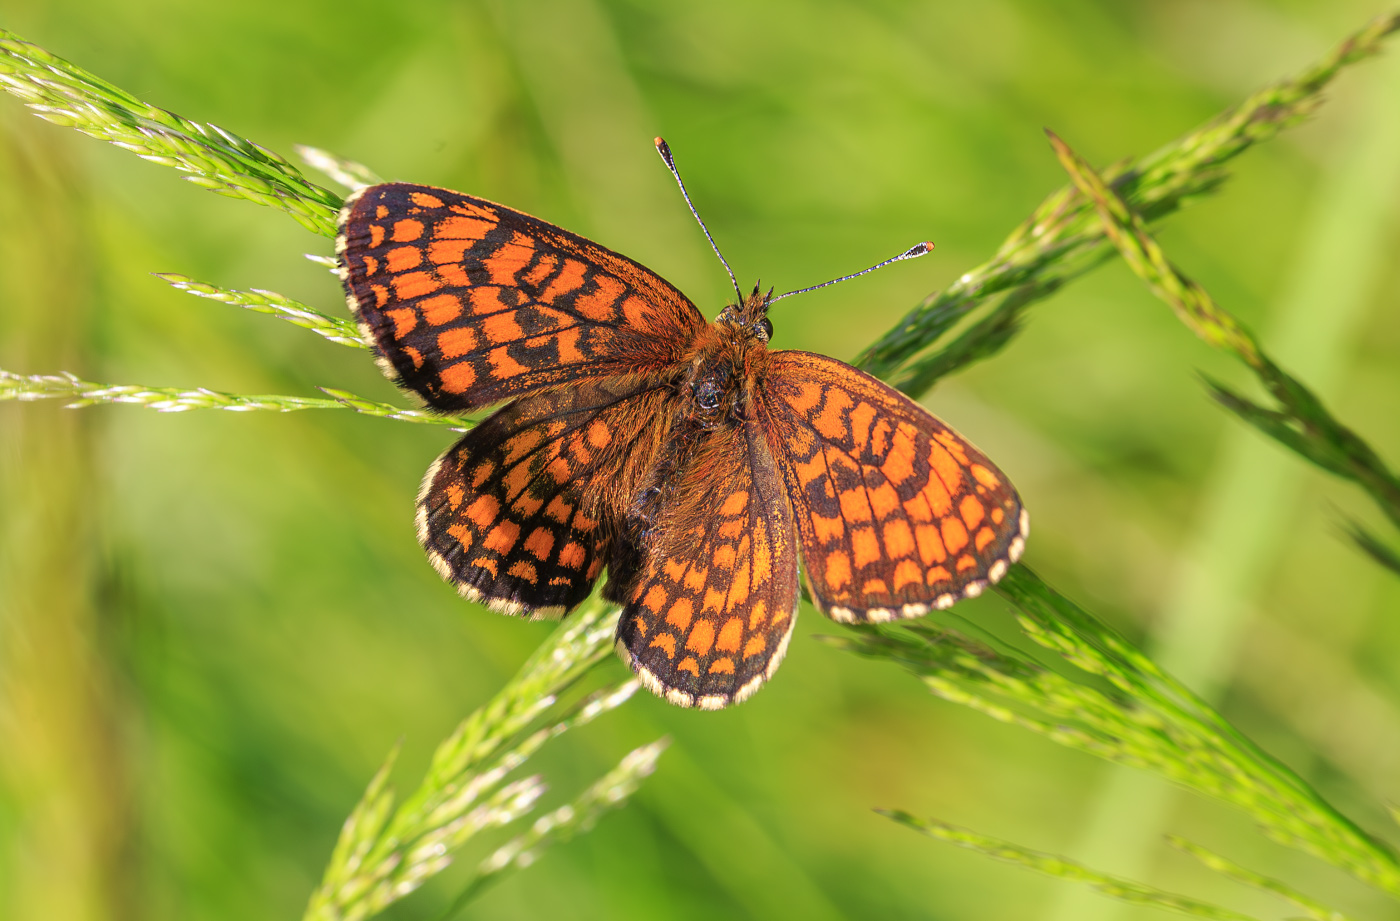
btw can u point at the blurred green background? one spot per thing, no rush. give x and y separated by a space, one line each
213 627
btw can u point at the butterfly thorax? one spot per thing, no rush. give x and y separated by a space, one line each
725 360
715 392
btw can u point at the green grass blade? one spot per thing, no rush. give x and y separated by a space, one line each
1302 424
79 393
1124 709
214 158
1239 874
1063 868
341 332
611 791
386 852
1060 236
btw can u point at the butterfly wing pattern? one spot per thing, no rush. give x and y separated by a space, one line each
471 303
708 616
685 458
899 515
513 514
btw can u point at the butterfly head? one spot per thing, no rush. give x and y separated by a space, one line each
749 318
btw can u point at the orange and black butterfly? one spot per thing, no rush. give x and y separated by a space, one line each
687 458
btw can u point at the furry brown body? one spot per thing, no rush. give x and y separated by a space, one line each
715 394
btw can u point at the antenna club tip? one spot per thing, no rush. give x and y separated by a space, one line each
659 142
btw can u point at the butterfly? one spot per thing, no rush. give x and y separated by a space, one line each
686 457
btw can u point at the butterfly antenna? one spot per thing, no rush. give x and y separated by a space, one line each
665 150
913 252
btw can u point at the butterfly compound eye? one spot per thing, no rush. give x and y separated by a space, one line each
707 395
765 326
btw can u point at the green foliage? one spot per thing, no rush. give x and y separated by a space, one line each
1114 887
386 852
1098 694
341 332
1063 238
1303 424
81 393
1118 705
217 160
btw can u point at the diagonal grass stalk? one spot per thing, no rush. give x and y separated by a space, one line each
1301 423
387 850
609 792
1053 865
1239 874
1142 718
1120 706
341 332
80 393
1063 238
215 159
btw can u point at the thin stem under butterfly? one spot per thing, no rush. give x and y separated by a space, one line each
665 150
913 252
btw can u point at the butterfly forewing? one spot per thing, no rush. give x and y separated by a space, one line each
516 514
898 513
471 303
709 612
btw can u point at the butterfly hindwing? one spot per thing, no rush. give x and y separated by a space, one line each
470 303
898 514
515 514
711 607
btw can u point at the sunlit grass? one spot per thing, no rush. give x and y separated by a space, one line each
1064 237
387 849
1301 423
1120 706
